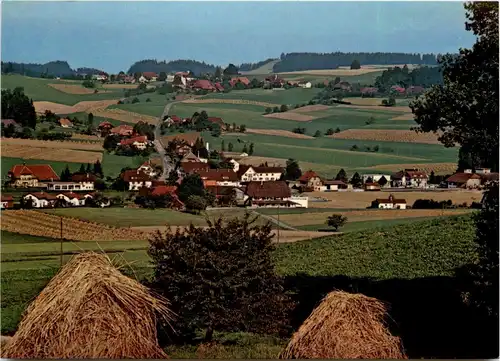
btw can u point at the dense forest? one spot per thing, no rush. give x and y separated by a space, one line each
423 76
193 66
51 69
253 66
316 61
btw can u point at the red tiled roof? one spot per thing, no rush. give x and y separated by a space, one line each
242 80
203 84
268 169
190 138
219 175
122 130
219 86
220 191
175 118
42 195
334 182
130 141
273 189
83 177
149 74
65 122
216 120
190 167
307 176
105 125
415 173
43 172
163 190
462 177
134 175
72 195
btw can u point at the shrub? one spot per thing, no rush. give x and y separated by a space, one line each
354 147
283 108
268 110
148 100
135 100
336 221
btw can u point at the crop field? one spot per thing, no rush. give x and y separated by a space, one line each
397 108
230 101
351 200
388 135
75 89
298 117
92 146
83 106
280 133
289 96
125 116
37 223
120 86
437 168
310 108
39 89
31 152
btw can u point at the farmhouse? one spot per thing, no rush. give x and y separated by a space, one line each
85 180
248 173
372 187
147 167
34 175
193 167
122 130
6 202
65 123
139 142
466 179
203 85
136 179
369 91
147 77
409 178
398 89
173 120
389 203
40 199
164 190
74 199
242 80
272 194
219 177
275 81
343 85
226 196
310 181
334 185
216 120
219 87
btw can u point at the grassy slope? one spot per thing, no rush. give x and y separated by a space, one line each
38 89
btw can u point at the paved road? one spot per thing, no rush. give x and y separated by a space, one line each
168 163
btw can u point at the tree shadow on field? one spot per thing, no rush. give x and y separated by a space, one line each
427 313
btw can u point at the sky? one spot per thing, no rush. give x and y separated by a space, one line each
113 35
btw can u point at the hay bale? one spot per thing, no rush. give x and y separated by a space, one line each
90 310
345 326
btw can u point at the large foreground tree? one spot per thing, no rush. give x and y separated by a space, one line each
464 110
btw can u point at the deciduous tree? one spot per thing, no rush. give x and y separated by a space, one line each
336 221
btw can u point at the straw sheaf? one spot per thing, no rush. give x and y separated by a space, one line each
345 326
90 310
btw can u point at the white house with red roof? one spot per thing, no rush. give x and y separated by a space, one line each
203 84
139 142
74 199
136 179
250 173
409 178
33 175
40 199
122 130
148 76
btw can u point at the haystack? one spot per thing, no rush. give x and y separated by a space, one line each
345 326
90 310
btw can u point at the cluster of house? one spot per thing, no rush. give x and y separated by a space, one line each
126 133
43 176
412 90
173 119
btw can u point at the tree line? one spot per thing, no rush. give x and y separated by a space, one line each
312 61
50 69
253 66
194 66
423 76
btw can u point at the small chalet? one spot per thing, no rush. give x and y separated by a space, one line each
6 202
85 180
226 195
305 85
40 199
65 123
136 179
398 89
148 168
203 85
310 181
248 173
148 76
242 80
122 130
74 199
272 194
372 187
466 179
343 85
216 120
275 81
164 190
409 178
173 120
334 185
139 142
104 128
33 175
389 203
219 177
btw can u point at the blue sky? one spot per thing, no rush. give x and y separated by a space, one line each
113 35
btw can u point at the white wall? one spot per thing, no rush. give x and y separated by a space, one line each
302 201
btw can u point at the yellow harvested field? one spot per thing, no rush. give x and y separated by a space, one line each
74 89
229 101
91 105
399 109
291 116
364 199
27 143
123 115
119 86
310 108
334 72
85 106
280 133
438 168
304 219
387 135
406 116
42 224
363 101
53 154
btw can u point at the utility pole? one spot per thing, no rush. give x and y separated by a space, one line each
61 241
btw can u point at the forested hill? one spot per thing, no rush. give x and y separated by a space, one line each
317 61
253 66
194 66
423 76
52 68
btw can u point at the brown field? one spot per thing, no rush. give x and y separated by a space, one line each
280 133
230 101
119 86
388 135
400 109
85 106
86 137
304 219
363 101
334 72
188 137
291 116
74 89
42 224
310 108
123 115
364 199
438 168
50 144
406 116
254 160
53 154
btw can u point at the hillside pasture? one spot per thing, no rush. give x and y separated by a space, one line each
405 116
75 89
274 96
298 117
230 101
388 135
335 72
310 108
50 154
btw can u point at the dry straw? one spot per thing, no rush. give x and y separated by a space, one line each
90 310
345 326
